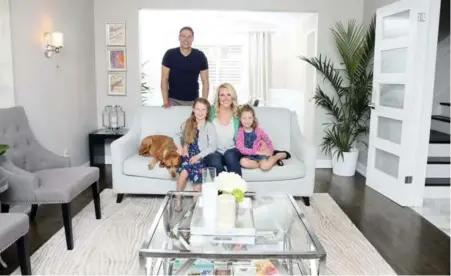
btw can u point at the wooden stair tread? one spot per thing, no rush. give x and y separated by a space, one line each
441 118
439 160
437 137
438 182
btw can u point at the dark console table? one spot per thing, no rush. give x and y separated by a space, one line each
97 141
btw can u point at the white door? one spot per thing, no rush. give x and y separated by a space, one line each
403 80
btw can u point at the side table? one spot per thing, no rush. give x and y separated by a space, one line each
3 187
98 138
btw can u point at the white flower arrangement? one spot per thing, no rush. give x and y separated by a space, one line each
231 183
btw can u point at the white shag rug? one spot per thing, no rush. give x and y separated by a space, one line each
110 246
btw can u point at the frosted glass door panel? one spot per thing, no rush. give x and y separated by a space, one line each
396 25
394 61
389 129
387 163
391 95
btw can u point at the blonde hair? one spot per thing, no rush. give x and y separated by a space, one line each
190 130
232 91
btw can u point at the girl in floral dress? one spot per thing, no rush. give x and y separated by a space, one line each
199 136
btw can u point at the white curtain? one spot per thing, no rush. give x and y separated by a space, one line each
259 65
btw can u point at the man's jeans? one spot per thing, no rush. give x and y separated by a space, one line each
230 159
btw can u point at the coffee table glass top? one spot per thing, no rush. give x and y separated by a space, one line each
281 232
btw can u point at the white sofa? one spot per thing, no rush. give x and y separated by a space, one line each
132 176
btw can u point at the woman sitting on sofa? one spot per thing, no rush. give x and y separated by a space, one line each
224 116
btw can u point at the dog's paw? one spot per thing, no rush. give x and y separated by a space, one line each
150 166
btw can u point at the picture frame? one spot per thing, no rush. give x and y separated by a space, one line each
117 59
115 34
117 83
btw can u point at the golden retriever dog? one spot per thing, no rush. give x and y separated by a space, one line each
162 148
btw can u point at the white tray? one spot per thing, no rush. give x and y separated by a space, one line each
244 222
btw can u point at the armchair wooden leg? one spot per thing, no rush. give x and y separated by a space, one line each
119 198
4 208
306 200
24 255
96 197
67 220
34 210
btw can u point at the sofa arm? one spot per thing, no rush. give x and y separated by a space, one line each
304 150
123 148
21 184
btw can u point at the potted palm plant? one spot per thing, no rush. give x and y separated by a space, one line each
348 104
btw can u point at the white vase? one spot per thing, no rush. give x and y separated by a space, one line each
209 200
346 164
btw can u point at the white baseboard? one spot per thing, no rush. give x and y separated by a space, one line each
361 169
323 164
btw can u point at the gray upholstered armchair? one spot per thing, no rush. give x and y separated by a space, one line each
36 175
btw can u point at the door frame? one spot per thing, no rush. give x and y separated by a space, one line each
430 61
418 123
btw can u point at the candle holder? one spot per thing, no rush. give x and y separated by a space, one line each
113 118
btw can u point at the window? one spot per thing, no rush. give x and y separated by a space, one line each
227 63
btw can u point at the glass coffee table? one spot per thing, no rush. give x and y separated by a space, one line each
284 242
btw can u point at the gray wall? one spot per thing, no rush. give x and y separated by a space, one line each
106 11
60 102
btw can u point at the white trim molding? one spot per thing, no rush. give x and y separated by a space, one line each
323 163
361 168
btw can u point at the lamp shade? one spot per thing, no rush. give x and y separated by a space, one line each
57 39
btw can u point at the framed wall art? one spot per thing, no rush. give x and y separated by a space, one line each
116 59
117 83
115 34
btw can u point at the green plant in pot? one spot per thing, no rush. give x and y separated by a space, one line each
348 104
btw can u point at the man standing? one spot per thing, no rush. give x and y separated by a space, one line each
180 72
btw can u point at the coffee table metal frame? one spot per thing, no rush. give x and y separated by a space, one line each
152 259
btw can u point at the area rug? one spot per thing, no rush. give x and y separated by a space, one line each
110 246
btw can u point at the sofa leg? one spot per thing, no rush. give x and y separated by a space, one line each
119 198
4 208
67 220
34 210
96 197
24 255
306 200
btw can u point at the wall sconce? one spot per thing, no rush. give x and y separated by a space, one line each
53 43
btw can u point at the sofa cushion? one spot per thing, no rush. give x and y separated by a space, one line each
166 121
137 165
277 123
293 169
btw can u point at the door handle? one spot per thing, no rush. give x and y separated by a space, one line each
372 105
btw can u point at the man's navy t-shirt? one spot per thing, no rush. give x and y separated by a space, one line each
184 73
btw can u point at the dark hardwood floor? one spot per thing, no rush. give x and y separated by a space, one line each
409 243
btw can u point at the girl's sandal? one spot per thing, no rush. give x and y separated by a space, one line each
280 162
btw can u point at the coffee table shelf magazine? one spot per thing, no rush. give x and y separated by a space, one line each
271 236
